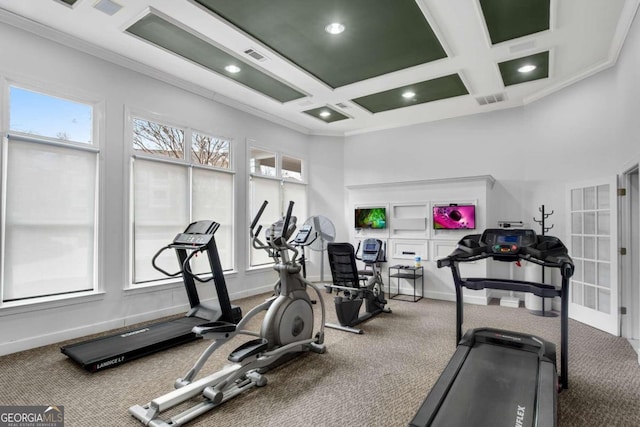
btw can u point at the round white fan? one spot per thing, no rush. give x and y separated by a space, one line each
324 231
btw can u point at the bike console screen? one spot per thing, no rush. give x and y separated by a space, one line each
370 250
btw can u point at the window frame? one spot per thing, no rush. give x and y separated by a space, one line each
131 154
279 155
282 204
95 147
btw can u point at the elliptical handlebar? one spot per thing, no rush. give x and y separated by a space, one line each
274 243
287 219
258 215
283 238
255 240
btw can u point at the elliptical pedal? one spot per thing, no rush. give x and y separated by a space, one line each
248 349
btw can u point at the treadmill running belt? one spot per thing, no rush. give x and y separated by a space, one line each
105 352
496 386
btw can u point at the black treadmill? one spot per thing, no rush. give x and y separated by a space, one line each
497 377
113 350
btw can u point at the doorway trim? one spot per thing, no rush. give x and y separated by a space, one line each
629 226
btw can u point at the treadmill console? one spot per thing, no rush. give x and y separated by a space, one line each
511 245
508 242
197 233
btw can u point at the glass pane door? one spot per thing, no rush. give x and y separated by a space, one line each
593 243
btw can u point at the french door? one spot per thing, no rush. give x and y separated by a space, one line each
593 293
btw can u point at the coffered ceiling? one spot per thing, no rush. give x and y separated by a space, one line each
340 67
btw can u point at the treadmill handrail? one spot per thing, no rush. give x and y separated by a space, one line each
186 269
538 289
563 262
153 263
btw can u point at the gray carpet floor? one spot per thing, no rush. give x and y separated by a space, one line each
379 378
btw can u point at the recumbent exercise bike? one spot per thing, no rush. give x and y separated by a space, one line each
357 286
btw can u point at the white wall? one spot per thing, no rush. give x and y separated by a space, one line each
29 59
325 195
587 130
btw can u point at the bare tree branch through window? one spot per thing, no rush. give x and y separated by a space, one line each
159 139
210 151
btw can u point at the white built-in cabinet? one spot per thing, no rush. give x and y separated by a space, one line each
410 233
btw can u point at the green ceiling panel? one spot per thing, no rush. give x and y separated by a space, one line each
427 91
510 19
334 117
181 42
69 2
511 75
381 36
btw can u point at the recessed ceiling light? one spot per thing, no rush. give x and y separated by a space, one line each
334 28
325 114
527 68
232 69
408 94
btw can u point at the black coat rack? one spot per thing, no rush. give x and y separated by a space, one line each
544 228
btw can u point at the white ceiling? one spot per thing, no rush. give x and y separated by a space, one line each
585 37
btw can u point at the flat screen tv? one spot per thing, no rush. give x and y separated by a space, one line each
371 218
454 217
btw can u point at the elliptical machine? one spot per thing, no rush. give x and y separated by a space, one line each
287 330
347 279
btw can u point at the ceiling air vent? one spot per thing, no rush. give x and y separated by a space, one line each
342 105
108 6
491 99
255 54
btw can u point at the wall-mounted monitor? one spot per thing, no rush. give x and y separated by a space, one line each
454 217
375 218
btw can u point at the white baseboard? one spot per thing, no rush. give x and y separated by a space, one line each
446 296
94 328
512 302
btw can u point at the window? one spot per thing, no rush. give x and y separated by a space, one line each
158 139
210 151
174 186
277 179
39 115
262 162
291 168
51 176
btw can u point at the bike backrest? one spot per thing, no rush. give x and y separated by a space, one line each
342 260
